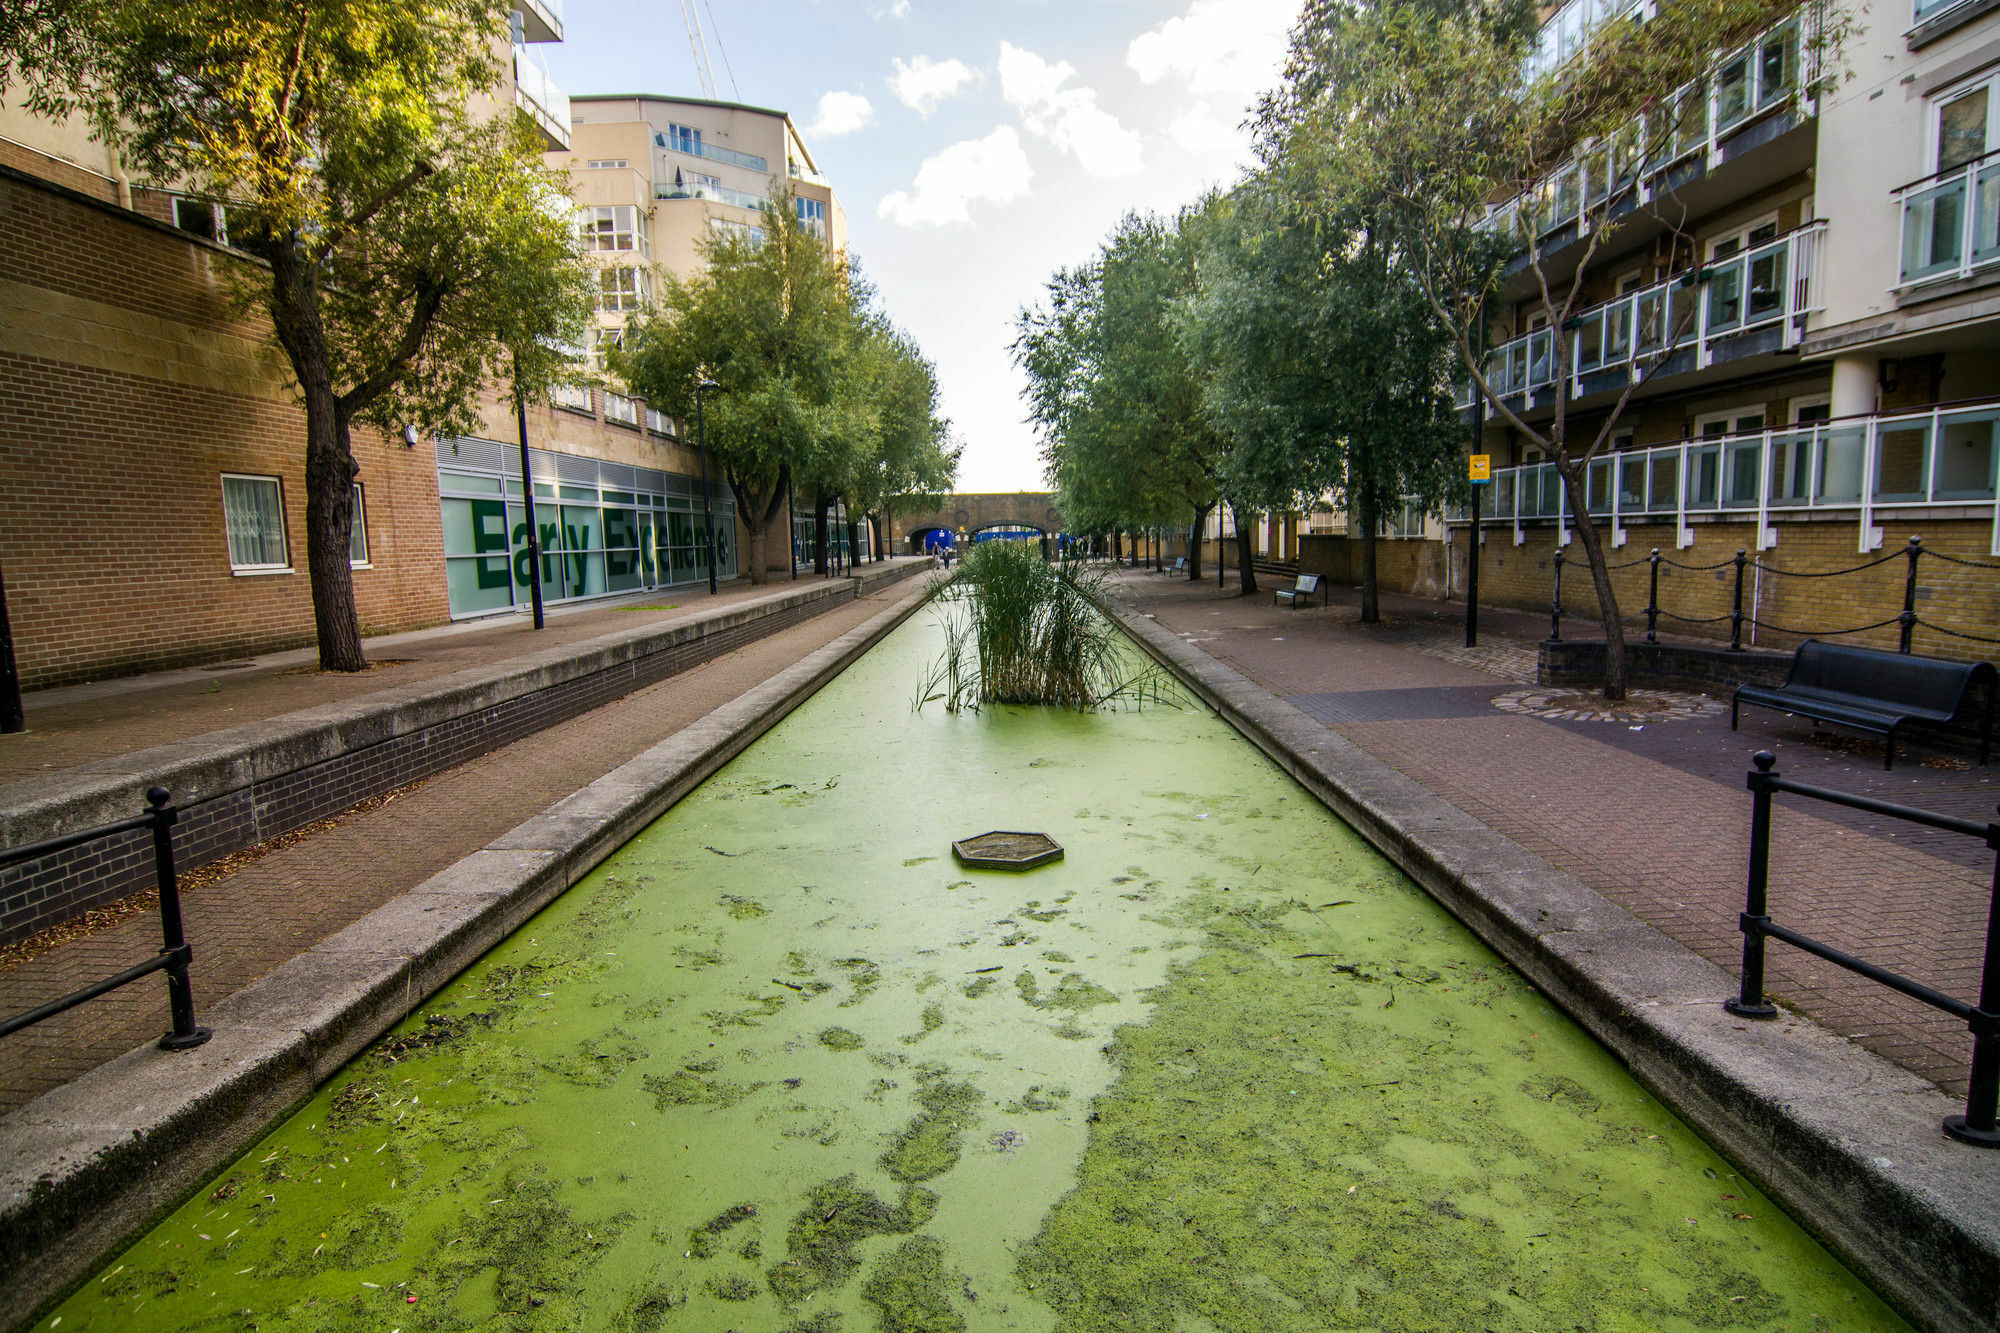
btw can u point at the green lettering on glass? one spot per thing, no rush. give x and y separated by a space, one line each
489 533
579 541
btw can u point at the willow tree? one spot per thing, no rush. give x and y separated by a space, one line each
772 323
1426 115
392 226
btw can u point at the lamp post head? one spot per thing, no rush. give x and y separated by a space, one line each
706 385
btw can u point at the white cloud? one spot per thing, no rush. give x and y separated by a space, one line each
1067 117
993 168
841 113
1233 47
923 83
1200 130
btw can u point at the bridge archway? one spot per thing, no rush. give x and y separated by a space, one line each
971 513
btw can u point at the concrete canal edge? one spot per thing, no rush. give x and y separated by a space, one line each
1846 1141
90 1166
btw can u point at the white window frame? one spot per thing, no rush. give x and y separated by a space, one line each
1741 235
622 287
1805 402
218 218
284 535
607 164
658 422
625 226
620 409
571 398
359 529
1935 104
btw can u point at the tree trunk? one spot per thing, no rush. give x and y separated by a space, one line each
1600 579
760 545
881 525
1247 567
820 509
1194 543
330 466
853 537
1371 606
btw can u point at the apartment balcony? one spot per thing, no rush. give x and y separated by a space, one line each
1750 304
1951 223
1940 461
545 104
693 147
541 20
713 193
1567 32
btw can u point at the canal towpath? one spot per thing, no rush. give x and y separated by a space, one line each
1652 814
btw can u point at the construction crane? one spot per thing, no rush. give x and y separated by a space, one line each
698 43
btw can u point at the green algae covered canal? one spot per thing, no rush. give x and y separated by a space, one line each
781 1064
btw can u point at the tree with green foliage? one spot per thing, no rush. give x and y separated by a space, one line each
910 458
1426 114
774 325
397 233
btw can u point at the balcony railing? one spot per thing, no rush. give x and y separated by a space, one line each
1951 222
717 193
1568 31
537 94
1772 286
697 148
1942 456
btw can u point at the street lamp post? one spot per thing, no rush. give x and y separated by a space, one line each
528 495
701 437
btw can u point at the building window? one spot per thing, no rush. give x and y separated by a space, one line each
571 397
203 219
726 229
613 227
357 536
656 422
812 214
602 341
680 138
253 513
607 163
619 408
622 289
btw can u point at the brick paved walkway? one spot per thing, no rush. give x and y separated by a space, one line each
1656 819
246 924
79 724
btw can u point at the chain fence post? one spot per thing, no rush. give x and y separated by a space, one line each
1556 602
1653 600
1982 1099
1749 1002
173 938
1736 606
1908 619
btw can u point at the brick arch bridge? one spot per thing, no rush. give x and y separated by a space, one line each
973 513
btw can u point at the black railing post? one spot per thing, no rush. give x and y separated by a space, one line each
1556 602
1908 619
1736 606
1750 1001
1982 1099
173 940
1653 601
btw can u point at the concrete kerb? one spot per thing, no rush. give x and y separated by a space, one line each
1846 1141
89 1166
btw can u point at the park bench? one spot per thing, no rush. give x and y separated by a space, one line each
1179 566
1880 692
1302 591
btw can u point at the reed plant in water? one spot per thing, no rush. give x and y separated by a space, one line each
1020 629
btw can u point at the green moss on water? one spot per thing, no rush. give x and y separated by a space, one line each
977 987
1073 992
682 1088
704 1240
840 1039
930 1144
933 1019
823 1246
911 1290
743 909
733 1289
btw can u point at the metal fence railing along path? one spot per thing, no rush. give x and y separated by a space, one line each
175 952
1978 1125
1906 619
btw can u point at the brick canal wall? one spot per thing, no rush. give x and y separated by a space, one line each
237 788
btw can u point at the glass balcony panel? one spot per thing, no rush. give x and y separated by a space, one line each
1568 196
1597 176
1541 363
1589 341
1632 483
1624 161
1841 453
1732 92
1599 488
1496 371
1902 458
1691 121
1790 468
1933 230
1652 316
1551 483
1663 481
1618 334
1986 215
1529 481
1964 465
1503 493
1683 315
1704 467
1767 284
1517 367
1725 298
1659 140
1777 66
1744 460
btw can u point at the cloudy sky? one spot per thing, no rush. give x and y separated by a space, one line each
975 147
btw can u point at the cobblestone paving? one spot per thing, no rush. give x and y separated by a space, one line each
1656 819
247 923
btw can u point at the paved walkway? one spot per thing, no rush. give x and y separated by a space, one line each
281 903
80 724
1655 818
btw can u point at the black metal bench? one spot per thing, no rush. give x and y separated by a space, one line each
1302 591
1179 566
1879 692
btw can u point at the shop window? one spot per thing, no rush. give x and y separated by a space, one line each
253 514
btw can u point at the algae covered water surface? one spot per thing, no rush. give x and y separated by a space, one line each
780 1064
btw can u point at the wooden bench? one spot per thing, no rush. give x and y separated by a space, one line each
1880 692
1302 591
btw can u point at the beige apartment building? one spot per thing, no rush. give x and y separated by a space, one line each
1831 252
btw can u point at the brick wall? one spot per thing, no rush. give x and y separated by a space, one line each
128 384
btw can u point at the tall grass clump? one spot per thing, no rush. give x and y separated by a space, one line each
1022 630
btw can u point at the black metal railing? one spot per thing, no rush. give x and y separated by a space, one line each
1977 1126
174 953
1906 620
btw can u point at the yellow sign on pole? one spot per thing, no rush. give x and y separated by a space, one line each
1482 468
